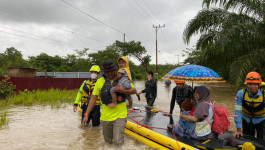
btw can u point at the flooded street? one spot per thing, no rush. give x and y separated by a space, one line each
39 127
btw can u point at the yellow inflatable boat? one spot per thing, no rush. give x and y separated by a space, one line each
150 127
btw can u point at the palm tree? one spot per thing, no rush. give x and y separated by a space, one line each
232 37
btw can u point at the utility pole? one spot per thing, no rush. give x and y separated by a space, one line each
157 28
124 44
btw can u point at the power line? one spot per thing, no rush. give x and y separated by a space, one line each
33 34
168 42
22 16
19 35
93 17
142 8
143 15
151 11
66 43
164 34
35 38
139 12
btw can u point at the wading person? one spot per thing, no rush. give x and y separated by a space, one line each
167 83
150 89
84 95
113 119
249 108
180 93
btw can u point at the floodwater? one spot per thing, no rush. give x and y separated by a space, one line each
38 127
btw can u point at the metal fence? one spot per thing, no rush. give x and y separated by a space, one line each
64 74
30 84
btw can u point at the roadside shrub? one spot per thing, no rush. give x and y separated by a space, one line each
6 88
138 76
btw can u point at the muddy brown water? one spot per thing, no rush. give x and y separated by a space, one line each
39 127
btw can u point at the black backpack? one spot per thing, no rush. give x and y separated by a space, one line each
105 92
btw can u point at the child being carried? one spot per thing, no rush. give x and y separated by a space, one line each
124 79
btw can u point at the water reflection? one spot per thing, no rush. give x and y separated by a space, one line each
45 128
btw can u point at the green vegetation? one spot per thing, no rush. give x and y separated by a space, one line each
3 113
53 97
232 42
4 121
232 38
6 88
82 60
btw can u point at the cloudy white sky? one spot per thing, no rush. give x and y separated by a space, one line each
56 28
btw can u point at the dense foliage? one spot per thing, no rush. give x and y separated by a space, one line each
232 37
6 88
82 60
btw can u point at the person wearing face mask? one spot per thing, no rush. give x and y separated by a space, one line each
84 95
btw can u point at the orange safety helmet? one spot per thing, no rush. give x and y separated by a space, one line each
179 81
253 77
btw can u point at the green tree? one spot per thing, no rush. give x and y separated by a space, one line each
82 63
232 39
46 63
12 58
194 56
82 53
99 57
134 49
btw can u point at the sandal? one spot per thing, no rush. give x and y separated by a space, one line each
138 96
166 114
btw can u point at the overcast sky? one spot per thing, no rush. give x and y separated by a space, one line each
57 28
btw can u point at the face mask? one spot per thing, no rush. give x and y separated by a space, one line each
94 76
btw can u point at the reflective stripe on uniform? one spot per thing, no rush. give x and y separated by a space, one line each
238 107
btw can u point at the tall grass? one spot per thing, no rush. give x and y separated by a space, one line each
53 97
4 120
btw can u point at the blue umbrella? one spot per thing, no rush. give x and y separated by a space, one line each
193 73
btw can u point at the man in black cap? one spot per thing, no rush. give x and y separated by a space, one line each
113 119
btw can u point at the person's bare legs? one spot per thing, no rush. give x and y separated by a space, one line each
130 104
129 98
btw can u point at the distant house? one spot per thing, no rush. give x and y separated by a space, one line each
21 72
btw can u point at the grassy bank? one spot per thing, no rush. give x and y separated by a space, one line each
55 98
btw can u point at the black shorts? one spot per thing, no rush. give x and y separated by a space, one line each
94 115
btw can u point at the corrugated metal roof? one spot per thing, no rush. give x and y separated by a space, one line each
64 74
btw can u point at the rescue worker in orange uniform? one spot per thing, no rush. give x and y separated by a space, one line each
250 108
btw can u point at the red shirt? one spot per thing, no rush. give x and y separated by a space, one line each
192 111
